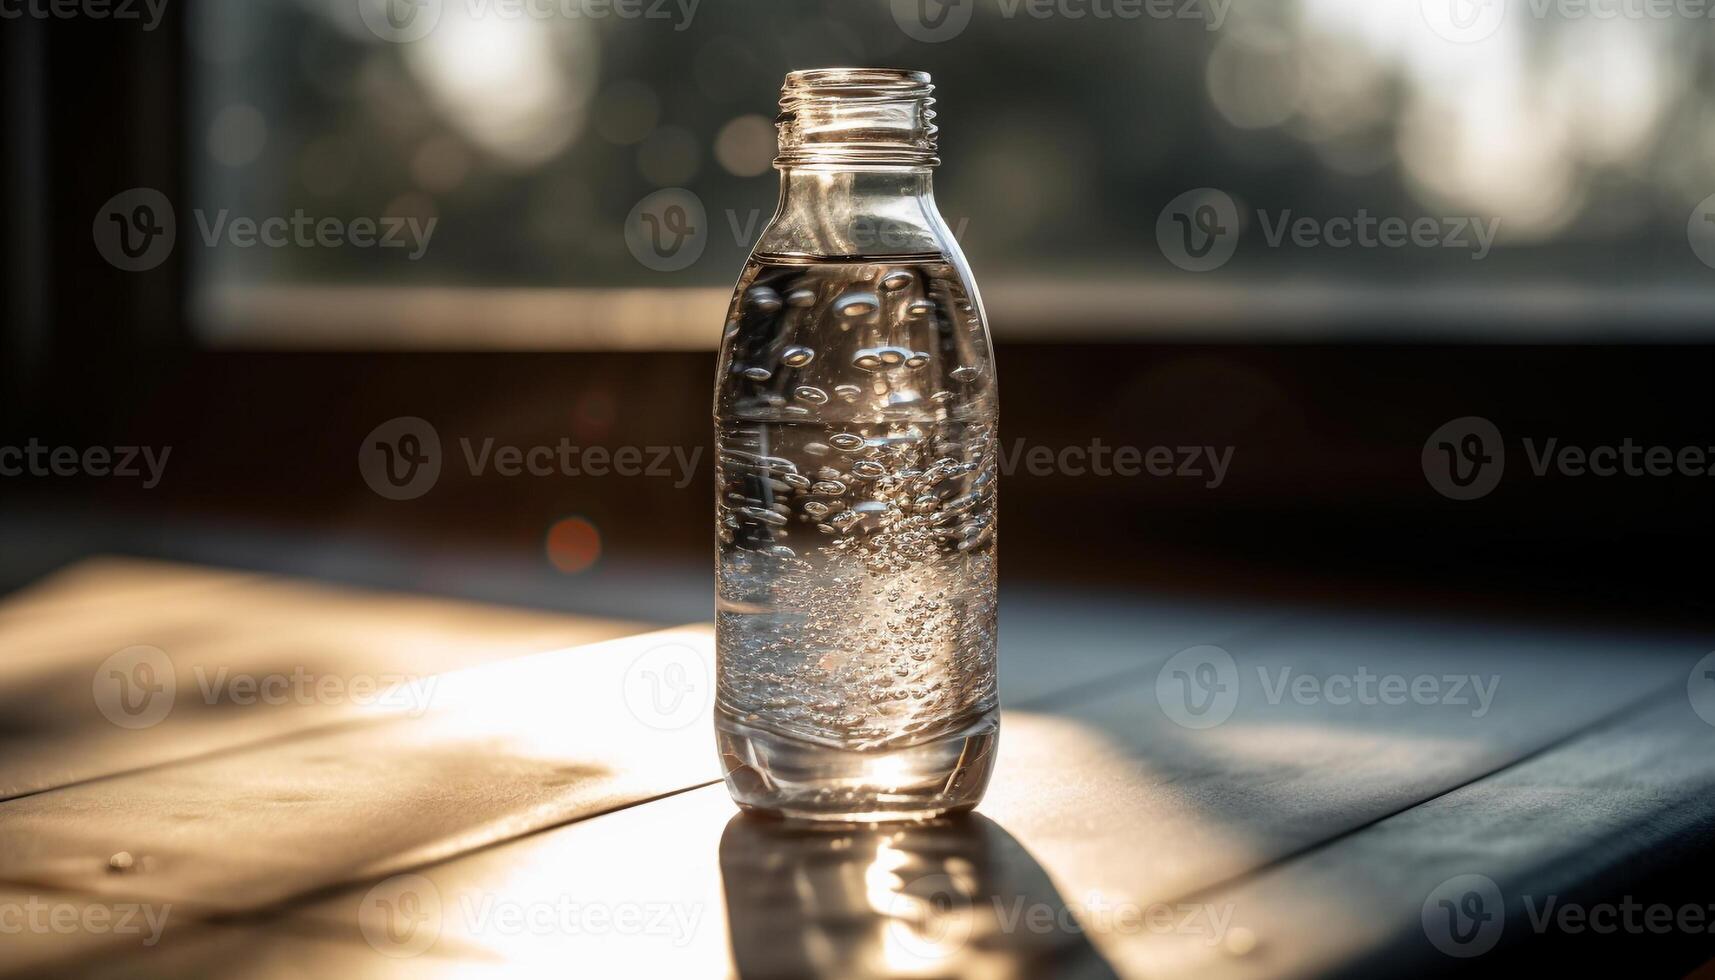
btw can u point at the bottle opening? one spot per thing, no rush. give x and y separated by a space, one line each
857 117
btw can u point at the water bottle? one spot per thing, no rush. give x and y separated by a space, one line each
855 423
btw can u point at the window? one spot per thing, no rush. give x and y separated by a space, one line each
426 173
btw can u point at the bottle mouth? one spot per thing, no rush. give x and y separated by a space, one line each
848 118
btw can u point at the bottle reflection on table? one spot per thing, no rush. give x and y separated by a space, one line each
941 898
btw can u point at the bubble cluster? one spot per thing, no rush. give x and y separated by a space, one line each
857 459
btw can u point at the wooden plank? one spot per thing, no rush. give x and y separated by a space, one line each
1109 825
211 630
506 749
1612 807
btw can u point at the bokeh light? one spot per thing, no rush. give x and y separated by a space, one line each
573 545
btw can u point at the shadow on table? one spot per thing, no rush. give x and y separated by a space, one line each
952 897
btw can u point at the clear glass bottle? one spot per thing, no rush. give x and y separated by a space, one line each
855 423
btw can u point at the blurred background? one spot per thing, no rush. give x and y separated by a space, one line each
1128 179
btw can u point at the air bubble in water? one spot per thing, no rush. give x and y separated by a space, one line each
966 374
763 300
897 279
757 373
797 356
848 393
856 304
801 298
811 394
846 442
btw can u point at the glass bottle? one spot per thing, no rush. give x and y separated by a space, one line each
855 426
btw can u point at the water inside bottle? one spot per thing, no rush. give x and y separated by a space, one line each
855 422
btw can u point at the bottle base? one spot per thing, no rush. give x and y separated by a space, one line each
775 775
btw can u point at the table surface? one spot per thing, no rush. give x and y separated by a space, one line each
199 776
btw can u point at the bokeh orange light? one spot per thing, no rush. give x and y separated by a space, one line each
574 545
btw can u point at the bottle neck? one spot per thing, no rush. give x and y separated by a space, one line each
837 213
856 150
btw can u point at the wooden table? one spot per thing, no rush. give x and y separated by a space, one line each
199 777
